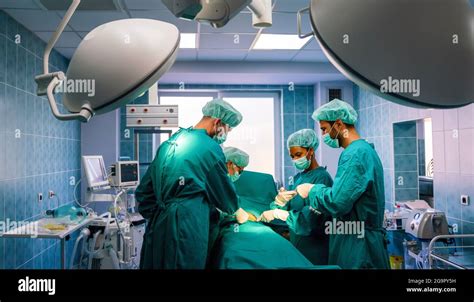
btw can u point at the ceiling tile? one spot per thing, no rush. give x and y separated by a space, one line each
67 39
18 4
271 55
312 45
87 21
290 5
67 52
36 20
187 54
221 55
183 25
144 4
283 23
310 56
226 41
242 23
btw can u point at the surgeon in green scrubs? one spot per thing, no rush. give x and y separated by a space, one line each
182 188
236 161
306 226
357 196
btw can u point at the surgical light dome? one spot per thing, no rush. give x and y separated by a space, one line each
122 59
416 52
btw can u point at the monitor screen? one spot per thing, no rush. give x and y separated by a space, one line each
95 171
129 172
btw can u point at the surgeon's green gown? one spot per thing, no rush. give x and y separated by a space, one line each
178 195
356 195
306 227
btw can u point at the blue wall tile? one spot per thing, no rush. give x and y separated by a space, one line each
404 146
12 27
453 204
406 129
467 188
3 58
405 163
468 228
21 68
301 100
466 157
450 119
301 121
407 180
31 153
3 23
406 194
288 101
11 50
370 122
451 140
448 151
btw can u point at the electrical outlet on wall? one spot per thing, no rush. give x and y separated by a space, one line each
40 197
51 194
465 200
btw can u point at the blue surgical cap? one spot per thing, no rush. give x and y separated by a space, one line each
305 138
336 110
220 109
236 156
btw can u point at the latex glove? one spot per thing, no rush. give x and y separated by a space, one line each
284 196
270 215
241 216
303 190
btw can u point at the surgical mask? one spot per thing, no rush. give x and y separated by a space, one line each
234 177
220 137
302 163
331 142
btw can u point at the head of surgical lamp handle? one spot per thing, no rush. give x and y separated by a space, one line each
118 61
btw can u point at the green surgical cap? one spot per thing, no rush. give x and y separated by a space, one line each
336 110
220 109
236 156
305 138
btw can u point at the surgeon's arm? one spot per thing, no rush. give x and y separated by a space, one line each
220 189
145 196
350 183
301 222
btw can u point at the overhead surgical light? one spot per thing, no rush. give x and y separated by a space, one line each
114 64
218 13
418 53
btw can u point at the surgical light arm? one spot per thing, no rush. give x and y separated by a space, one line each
47 82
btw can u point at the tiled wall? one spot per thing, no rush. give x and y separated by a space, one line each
406 163
37 152
453 148
298 105
421 157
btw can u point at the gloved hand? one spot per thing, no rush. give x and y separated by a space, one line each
303 190
241 216
284 196
270 215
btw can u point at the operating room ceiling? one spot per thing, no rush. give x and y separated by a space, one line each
213 44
